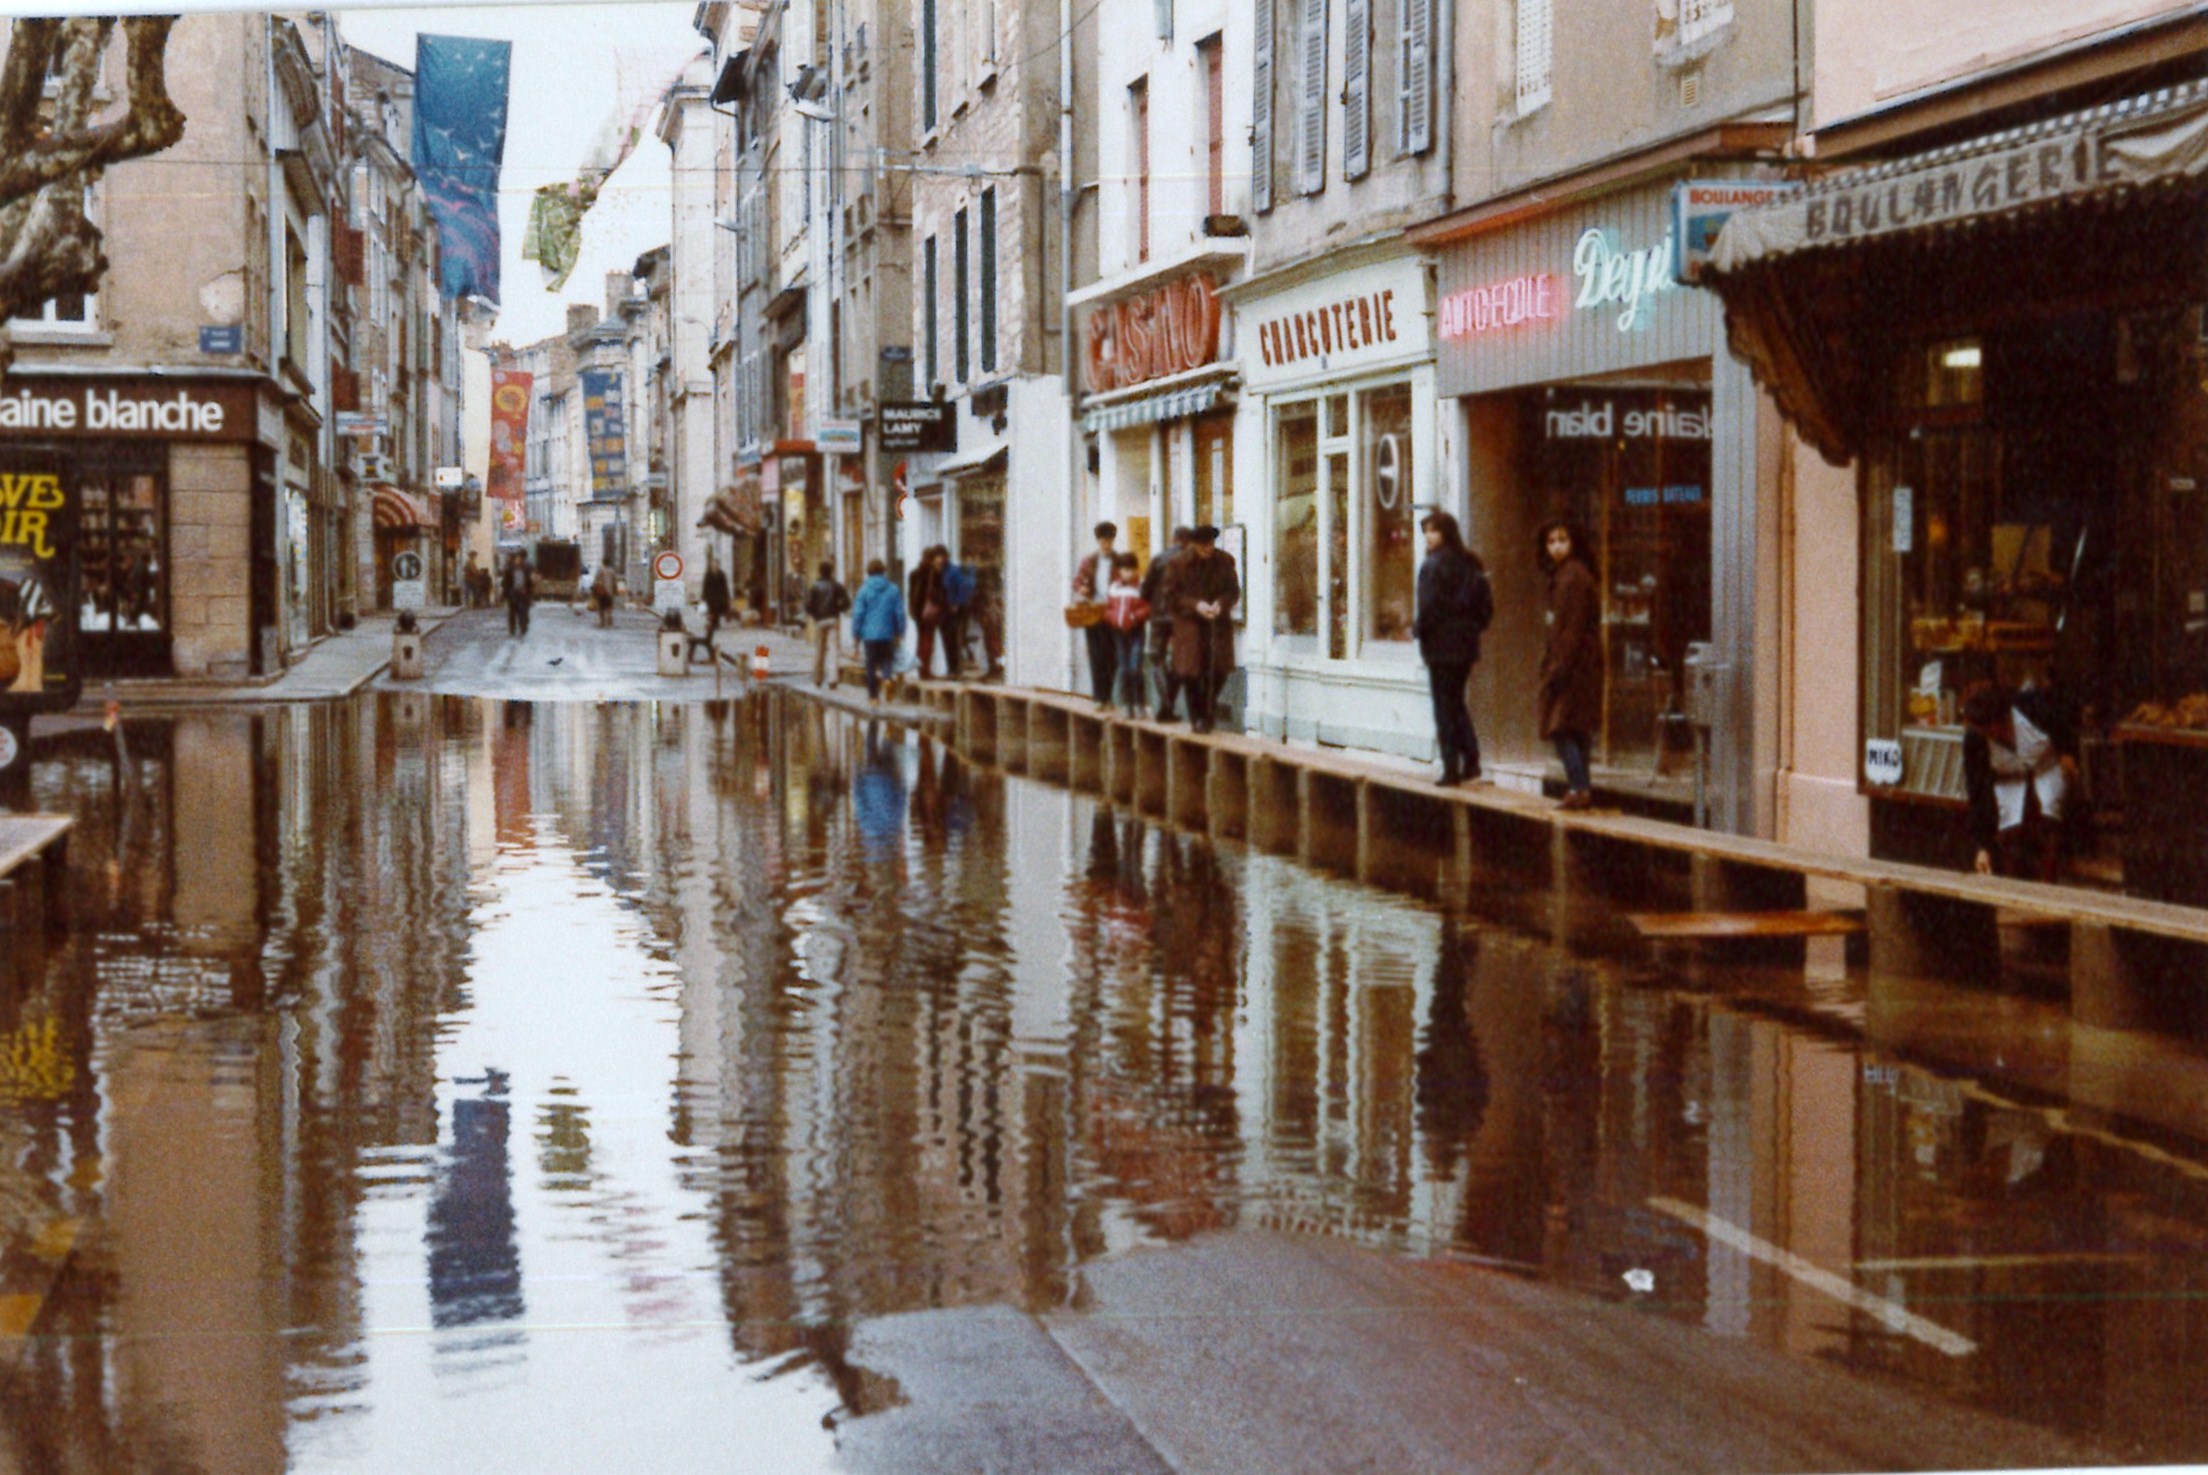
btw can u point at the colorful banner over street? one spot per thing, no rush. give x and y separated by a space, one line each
459 142
606 426
509 435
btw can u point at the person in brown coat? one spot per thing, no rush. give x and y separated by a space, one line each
1201 589
1571 668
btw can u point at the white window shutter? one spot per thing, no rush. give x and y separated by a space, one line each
1261 109
1415 78
1536 45
1356 88
1311 99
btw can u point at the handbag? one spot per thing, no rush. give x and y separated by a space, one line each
1083 616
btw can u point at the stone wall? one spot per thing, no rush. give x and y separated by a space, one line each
211 560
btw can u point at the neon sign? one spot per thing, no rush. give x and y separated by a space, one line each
1510 303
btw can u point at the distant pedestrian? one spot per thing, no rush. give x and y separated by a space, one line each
714 593
1161 623
1571 668
1092 587
825 604
601 595
468 577
1455 606
1127 616
2019 768
1202 589
877 624
520 591
924 598
958 610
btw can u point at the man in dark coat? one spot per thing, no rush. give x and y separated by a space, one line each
924 598
1455 606
1201 590
1161 622
713 590
1571 668
520 592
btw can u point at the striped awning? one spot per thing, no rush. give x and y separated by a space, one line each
1173 404
396 510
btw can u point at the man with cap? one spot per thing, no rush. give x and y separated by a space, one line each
1161 622
1201 590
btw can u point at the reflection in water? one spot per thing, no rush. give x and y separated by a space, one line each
527 1085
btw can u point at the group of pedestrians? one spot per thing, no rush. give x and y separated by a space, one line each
1180 613
1455 606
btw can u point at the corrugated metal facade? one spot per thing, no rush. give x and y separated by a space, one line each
1678 325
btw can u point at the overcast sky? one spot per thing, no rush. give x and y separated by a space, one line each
563 90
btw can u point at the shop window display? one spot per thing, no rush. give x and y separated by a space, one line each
124 574
1296 524
1391 560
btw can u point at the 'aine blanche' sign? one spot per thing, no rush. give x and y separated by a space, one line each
148 409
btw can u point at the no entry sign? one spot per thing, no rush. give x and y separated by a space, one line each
667 565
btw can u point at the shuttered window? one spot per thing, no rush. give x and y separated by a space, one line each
927 64
1138 115
1261 108
1414 77
930 336
989 280
961 313
1163 17
1311 97
1215 127
1536 45
1356 88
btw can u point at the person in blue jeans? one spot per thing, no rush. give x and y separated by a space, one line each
877 624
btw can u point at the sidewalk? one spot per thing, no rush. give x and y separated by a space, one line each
335 666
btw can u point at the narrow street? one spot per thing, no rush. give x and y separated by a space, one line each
567 656
586 1085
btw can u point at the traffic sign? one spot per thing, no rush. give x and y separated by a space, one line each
667 564
407 567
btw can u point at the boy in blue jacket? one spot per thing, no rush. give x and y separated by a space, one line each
877 624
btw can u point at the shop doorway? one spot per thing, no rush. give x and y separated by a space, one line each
125 610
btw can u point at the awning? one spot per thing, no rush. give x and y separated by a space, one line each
1174 404
735 510
396 511
968 463
1810 282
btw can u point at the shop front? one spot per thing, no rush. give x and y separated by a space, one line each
2009 339
173 537
1158 403
1339 424
1588 385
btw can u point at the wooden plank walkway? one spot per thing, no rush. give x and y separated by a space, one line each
1722 926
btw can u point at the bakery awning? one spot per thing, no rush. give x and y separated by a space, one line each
1806 281
735 510
395 510
1150 409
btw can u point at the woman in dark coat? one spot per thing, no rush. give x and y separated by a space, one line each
1454 607
1200 590
1571 669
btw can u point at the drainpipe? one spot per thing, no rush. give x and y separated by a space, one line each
277 265
1069 199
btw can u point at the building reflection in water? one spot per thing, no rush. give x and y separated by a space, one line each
725 1028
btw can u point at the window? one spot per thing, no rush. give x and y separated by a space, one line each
989 281
1311 97
1682 24
1215 125
1296 524
1391 557
70 312
961 338
930 359
1535 48
1261 108
1414 77
1163 17
928 98
295 298
1356 88
1138 115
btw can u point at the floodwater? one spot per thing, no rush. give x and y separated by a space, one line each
437 1083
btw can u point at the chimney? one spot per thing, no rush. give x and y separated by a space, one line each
580 317
620 286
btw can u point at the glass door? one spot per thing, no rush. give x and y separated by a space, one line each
124 581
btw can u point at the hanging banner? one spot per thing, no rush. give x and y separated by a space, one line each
605 425
509 435
459 142
554 236
39 669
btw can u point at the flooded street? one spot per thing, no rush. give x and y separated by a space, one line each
432 1083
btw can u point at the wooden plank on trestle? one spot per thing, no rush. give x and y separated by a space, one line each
1718 926
25 836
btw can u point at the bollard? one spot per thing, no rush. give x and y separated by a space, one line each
406 652
674 652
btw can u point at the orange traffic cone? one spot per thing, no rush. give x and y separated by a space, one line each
759 667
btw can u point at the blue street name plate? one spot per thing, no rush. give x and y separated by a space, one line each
222 340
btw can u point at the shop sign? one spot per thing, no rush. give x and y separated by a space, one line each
1343 325
841 437
38 586
1982 185
1628 280
1167 330
1700 208
1533 297
153 410
353 424
1606 419
1347 322
924 425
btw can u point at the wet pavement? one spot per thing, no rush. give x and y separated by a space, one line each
429 1082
